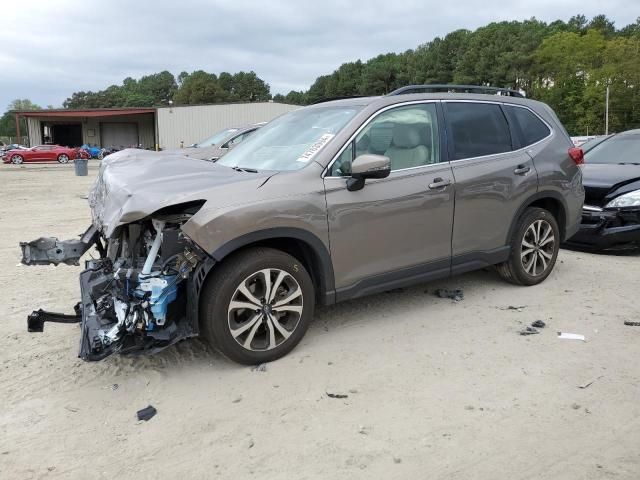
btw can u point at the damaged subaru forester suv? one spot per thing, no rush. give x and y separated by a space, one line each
327 203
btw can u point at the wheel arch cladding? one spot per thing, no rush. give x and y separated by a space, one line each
548 200
298 243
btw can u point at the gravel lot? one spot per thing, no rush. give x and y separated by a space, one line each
436 389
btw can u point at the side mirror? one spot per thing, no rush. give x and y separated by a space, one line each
366 166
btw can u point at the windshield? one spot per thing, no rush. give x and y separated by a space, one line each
290 141
217 138
616 149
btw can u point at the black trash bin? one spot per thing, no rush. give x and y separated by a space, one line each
81 166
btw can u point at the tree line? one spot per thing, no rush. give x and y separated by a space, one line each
565 64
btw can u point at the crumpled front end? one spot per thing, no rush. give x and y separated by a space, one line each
141 294
612 229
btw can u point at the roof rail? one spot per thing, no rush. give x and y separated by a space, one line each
456 88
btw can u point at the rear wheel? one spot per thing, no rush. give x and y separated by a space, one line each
534 248
62 158
257 306
17 159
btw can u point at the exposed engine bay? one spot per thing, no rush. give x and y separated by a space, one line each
140 294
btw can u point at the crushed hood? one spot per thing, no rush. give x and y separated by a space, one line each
601 180
133 184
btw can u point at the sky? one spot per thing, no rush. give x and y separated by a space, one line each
52 48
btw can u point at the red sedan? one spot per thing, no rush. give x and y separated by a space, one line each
44 153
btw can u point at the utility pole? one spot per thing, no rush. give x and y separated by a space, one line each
606 112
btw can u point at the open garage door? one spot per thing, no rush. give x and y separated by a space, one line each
67 134
119 135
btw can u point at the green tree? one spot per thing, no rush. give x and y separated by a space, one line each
8 120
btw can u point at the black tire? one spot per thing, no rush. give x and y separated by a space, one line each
216 317
62 158
17 159
517 269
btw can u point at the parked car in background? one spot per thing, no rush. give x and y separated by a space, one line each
94 151
216 146
44 153
611 178
12 146
327 203
592 142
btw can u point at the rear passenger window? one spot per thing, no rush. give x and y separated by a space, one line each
476 129
527 126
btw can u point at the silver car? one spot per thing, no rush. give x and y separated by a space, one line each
216 146
324 204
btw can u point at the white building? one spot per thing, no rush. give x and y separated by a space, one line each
163 128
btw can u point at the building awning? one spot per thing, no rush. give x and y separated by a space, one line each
92 112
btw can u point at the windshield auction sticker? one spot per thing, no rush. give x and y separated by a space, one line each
315 147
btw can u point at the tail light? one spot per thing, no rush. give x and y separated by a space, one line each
577 155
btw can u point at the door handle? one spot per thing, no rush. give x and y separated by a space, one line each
439 183
522 170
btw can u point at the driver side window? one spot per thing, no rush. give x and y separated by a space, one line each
408 135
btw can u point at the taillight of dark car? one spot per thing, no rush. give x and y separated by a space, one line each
577 155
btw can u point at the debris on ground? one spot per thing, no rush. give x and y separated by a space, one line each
259 368
237 400
146 413
72 409
571 336
631 324
115 386
455 295
529 331
515 307
397 459
362 430
588 384
251 443
538 324
336 395
575 406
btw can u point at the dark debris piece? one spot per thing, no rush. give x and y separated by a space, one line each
538 324
336 395
632 324
146 413
529 331
455 295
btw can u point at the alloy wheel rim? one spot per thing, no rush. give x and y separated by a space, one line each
63 159
265 309
17 159
538 248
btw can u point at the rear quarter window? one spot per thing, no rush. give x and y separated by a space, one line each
528 128
476 130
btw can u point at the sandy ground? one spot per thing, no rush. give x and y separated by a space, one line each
436 389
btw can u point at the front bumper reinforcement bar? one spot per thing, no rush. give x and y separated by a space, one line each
36 319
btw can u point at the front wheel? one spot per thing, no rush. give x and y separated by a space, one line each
257 305
62 158
534 248
17 159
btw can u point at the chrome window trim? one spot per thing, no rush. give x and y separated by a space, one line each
525 148
357 132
